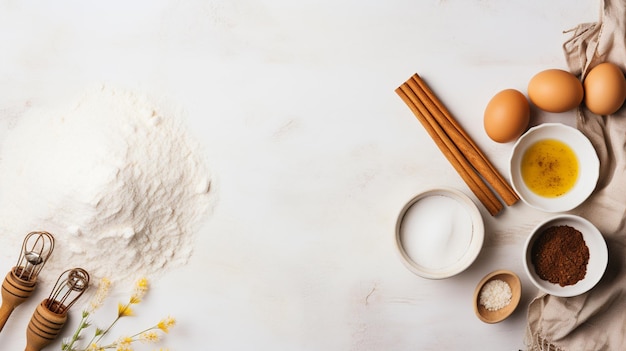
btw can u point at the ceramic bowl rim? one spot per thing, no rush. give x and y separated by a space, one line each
589 168
598 256
475 246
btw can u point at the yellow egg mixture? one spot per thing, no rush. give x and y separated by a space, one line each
550 168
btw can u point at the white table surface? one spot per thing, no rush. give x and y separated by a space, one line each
312 153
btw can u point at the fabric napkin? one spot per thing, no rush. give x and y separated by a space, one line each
595 320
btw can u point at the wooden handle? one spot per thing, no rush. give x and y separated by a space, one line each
44 327
5 313
14 292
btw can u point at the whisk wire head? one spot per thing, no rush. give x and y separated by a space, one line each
70 285
36 249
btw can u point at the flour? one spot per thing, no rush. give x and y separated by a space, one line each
115 178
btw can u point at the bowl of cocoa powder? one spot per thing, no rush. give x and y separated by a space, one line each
565 256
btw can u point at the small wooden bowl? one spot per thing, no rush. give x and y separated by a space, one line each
499 315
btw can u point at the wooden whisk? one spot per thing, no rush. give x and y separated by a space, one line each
51 314
20 282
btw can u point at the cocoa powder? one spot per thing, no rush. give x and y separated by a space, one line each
560 255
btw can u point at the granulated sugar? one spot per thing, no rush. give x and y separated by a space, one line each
115 178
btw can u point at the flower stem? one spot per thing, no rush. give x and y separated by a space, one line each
82 325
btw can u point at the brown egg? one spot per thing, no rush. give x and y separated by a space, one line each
555 90
506 116
605 89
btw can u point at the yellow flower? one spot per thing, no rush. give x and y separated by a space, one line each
141 287
124 344
100 296
134 300
166 324
94 347
125 341
124 310
149 336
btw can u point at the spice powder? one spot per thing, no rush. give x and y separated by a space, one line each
560 255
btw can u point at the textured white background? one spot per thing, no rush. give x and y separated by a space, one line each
312 153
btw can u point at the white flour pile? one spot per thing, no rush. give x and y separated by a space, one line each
115 178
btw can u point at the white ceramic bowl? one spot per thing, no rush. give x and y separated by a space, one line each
588 170
598 256
439 233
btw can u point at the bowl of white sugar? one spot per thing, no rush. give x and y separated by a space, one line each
439 233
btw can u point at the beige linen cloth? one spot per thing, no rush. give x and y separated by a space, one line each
596 320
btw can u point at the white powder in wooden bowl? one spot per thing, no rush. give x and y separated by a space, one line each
115 178
496 294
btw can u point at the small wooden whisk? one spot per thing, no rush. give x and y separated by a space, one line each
20 282
51 314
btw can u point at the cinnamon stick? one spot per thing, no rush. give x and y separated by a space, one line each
468 147
450 150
